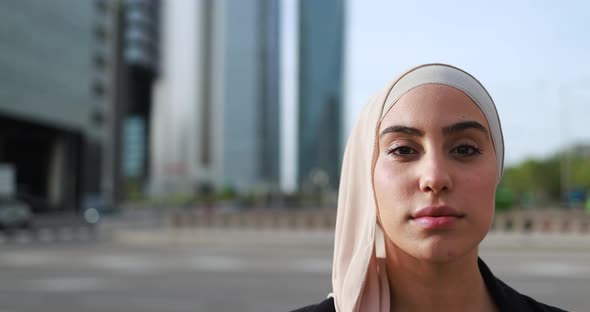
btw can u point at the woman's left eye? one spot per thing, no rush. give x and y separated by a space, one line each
466 150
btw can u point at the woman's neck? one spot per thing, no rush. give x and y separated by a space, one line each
417 285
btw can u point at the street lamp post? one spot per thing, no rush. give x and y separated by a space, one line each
564 156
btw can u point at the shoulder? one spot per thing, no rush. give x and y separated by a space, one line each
541 307
324 306
507 298
514 297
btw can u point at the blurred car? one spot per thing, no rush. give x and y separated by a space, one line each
36 203
14 214
96 202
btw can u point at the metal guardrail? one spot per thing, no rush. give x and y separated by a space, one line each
517 221
59 227
295 220
51 234
577 222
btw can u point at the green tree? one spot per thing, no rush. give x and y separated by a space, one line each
535 181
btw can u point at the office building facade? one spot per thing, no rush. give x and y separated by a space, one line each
50 125
251 94
217 106
320 92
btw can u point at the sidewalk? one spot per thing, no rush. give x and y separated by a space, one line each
553 241
229 237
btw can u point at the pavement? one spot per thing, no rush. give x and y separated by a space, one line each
150 268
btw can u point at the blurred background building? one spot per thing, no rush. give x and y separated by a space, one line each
75 100
217 107
50 125
321 33
157 98
126 62
217 104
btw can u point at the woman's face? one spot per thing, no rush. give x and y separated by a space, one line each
435 175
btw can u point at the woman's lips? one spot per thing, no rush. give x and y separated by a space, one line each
436 217
436 222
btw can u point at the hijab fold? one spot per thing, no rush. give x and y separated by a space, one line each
359 277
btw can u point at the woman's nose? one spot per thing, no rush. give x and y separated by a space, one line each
435 176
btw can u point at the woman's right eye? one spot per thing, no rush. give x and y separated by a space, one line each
401 150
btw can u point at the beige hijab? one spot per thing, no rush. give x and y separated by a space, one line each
359 279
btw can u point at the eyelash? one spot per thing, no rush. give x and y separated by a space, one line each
392 150
474 150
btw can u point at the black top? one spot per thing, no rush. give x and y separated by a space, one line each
506 298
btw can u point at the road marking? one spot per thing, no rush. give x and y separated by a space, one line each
66 285
124 264
217 264
554 269
26 259
313 265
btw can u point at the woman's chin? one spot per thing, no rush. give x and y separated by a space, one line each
441 250
441 255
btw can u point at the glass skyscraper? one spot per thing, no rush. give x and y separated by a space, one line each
230 90
251 96
320 89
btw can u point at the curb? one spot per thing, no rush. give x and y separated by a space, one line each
225 237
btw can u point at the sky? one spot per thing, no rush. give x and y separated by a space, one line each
532 56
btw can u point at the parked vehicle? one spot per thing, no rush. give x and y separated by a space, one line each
14 214
96 202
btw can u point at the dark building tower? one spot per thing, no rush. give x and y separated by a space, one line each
126 64
140 51
320 90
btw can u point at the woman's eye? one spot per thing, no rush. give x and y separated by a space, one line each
401 150
466 150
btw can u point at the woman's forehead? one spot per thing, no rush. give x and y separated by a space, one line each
434 104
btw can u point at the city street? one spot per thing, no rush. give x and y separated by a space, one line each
235 271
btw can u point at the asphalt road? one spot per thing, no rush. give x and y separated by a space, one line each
239 272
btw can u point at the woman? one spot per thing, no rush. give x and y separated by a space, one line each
416 198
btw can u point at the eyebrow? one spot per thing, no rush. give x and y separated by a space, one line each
402 129
448 130
464 125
